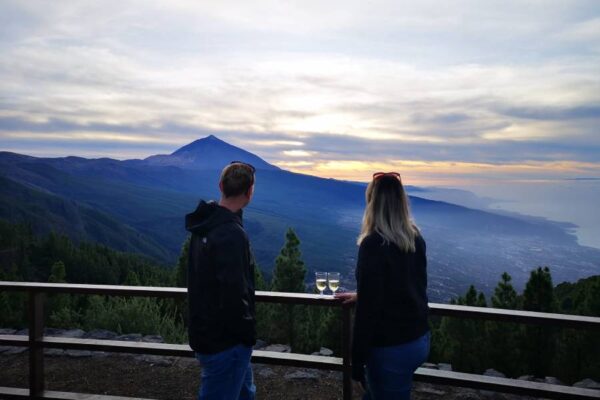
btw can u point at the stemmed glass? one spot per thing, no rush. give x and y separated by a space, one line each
333 278
321 280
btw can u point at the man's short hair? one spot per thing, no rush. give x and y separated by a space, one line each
236 179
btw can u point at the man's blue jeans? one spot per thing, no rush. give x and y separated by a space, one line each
227 375
390 370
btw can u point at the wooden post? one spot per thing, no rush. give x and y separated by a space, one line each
347 350
36 351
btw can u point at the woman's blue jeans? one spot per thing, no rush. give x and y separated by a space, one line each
390 370
227 375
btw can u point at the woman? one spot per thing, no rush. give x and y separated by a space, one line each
391 331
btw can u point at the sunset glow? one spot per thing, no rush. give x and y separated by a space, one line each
441 172
464 91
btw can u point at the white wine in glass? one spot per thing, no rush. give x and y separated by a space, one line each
333 278
321 280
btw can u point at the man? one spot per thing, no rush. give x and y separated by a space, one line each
221 289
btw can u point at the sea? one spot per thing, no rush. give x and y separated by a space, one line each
575 201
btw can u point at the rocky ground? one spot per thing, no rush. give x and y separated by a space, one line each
158 377
174 378
177 379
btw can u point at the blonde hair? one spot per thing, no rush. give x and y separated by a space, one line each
388 213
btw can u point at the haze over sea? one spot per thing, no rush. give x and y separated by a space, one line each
572 201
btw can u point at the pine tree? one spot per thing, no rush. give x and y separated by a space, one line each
329 331
538 343
62 312
132 279
588 344
318 327
259 279
539 292
289 272
463 340
12 304
179 307
505 295
591 304
288 276
58 273
182 264
263 311
578 350
502 345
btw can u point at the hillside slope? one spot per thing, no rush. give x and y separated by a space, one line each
464 245
46 212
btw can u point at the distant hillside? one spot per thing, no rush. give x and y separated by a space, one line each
46 213
464 245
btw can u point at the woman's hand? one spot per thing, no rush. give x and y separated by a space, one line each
347 298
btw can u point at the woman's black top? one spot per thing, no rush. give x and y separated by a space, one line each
392 297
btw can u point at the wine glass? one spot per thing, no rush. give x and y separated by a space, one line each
333 278
321 280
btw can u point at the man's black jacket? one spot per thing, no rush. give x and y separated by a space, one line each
220 280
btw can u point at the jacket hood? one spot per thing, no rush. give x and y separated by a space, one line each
208 215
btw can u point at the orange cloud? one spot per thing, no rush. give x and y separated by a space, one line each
443 172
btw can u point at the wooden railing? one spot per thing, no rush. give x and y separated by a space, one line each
37 342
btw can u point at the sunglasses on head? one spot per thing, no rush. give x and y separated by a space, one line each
378 175
246 164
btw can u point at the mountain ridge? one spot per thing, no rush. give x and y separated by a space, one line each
465 245
47 212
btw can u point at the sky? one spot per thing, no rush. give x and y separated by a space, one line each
444 92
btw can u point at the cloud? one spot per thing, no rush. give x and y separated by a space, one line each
463 82
297 153
583 31
555 113
446 173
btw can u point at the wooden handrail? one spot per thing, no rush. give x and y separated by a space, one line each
516 316
449 310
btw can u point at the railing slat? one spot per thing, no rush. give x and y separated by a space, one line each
13 393
176 350
506 385
54 395
297 360
14 340
19 393
516 316
118 346
110 290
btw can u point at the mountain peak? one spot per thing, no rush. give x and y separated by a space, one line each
198 144
209 152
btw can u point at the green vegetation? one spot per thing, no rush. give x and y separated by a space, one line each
305 328
519 349
55 258
288 276
469 345
46 212
465 351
